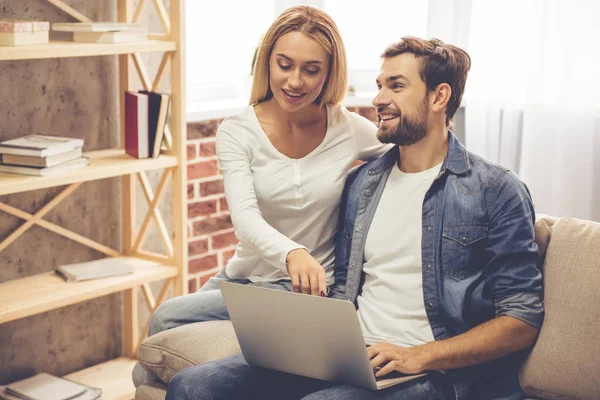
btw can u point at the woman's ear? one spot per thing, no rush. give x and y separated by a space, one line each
442 94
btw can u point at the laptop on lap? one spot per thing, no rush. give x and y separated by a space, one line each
304 335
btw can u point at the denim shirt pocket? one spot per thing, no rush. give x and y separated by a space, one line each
463 248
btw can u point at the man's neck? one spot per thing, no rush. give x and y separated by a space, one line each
425 154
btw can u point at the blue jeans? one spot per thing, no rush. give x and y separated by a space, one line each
204 305
232 378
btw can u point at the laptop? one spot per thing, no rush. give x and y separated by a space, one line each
316 337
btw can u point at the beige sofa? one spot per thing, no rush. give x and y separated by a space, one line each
564 363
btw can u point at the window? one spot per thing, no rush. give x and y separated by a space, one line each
222 37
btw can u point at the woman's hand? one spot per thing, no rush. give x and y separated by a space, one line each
308 276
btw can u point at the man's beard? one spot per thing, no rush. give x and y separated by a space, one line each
409 130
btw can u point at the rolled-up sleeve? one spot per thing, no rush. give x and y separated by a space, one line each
512 277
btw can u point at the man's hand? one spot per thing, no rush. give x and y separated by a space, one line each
308 276
407 361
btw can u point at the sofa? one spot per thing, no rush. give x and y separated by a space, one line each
563 364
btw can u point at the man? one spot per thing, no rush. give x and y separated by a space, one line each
436 248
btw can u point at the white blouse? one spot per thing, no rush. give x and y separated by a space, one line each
279 204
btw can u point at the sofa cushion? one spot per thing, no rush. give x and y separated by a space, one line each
565 361
151 391
168 352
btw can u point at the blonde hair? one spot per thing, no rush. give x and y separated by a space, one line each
316 25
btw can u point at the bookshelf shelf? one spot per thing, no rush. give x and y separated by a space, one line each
103 164
65 49
113 377
24 297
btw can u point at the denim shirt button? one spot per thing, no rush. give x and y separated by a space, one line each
428 229
428 266
430 305
368 192
464 239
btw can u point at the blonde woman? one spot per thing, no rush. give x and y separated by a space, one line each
284 161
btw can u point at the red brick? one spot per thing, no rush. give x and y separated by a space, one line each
223 204
208 149
190 189
203 264
202 169
227 255
369 113
192 285
219 241
211 187
204 129
197 247
202 208
191 151
211 224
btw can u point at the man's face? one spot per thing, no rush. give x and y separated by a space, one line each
401 103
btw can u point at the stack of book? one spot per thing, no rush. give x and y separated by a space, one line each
145 120
103 32
41 155
18 33
44 386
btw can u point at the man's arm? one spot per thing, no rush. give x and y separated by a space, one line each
488 341
512 280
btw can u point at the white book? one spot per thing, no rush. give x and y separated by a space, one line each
110 37
103 268
37 145
36 171
95 26
48 161
23 38
44 386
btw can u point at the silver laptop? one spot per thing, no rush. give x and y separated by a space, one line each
304 335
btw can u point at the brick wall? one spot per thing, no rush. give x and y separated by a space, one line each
211 240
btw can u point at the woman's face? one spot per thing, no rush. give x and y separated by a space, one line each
298 70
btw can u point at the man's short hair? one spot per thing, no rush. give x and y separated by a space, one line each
438 63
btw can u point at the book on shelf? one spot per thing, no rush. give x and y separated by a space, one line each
44 386
158 108
102 268
37 145
21 32
136 125
110 37
37 171
95 26
47 161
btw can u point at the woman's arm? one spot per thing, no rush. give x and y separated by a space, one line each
307 275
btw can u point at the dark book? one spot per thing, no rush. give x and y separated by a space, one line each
158 107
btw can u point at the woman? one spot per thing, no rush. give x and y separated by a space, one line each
284 160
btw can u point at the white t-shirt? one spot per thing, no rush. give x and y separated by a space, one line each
277 203
391 306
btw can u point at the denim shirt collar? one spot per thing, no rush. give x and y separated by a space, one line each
456 160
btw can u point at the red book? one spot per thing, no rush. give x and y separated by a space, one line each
136 125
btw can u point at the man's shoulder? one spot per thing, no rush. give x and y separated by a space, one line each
487 174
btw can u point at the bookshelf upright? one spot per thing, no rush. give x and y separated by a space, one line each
20 298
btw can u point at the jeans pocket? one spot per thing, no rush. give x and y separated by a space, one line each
463 247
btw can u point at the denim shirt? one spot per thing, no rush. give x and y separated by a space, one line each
478 254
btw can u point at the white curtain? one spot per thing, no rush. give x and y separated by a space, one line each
533 97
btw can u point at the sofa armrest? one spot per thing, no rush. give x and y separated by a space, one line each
168 352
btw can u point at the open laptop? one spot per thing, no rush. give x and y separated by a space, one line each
312 336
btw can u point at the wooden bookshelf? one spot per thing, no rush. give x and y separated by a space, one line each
103 164
21 298
113 377
60 49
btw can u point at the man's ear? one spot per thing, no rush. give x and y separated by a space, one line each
441 97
